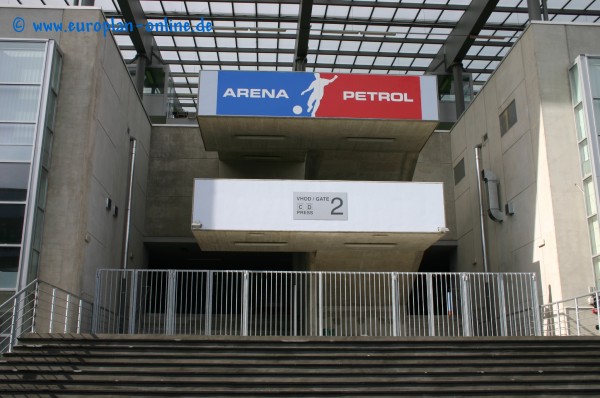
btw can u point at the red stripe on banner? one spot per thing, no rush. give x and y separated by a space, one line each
369 96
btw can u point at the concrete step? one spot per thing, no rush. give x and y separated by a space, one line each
296 370
293 361
119 366
425 389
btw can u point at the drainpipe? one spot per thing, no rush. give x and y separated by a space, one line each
133 143
481 208
123 287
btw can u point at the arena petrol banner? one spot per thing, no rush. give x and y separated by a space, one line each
317 95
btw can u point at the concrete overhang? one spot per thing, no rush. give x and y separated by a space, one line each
240 118
308 216
253 135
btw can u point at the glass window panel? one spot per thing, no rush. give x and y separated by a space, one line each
575 86
47 149
584 154
16 134
21 62
56 70
580 122
43 189
597 269
37 230
594 64
590 196
14 179
15 153
19 103
594 228
9 266
11 223
597 114
51 110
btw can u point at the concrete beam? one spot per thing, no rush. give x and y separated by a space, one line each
132 12
463 36
301 49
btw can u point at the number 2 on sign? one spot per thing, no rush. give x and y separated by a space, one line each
340 204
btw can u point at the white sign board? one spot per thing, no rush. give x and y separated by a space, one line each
320 206
268 205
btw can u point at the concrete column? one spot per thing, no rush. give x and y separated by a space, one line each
459 91
140 73
535 10
299 64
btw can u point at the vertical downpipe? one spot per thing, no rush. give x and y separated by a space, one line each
481 209
123 292
133 144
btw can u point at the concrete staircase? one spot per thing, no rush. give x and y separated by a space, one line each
179 366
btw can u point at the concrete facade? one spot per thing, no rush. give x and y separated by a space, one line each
98 111
536 161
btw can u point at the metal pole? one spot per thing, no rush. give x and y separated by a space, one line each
35 304
430 305
96 308
545 9
52 310
502 305
395 303
320 331
12 326
245 304
171 302
133 298
79 313
67 314
465 299
208 304
133 143
481 208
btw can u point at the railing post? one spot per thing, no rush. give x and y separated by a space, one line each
13 321
320 309
96 308
597 312
295 308
430 306
245 300
395 303
577 321
79 314
50 327
133 298
66 329
465 303
537 318
501 304
208 304
170 307
35 305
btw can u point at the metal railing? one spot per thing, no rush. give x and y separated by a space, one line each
271 303
576 316
42 308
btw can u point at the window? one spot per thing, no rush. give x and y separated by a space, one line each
508 117
459 171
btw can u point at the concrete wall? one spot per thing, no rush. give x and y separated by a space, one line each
435 165
98 110
177 156
536 162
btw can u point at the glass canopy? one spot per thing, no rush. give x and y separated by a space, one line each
362 36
